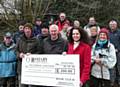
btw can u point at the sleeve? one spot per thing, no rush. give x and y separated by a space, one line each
93 55
14 38
85 27
0 49
39 47
65 46
34 31
98 29
18 50
110 61
87 65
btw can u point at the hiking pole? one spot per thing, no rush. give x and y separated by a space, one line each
102 83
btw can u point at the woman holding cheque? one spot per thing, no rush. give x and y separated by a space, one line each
79 44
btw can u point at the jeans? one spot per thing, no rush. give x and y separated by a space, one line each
8 82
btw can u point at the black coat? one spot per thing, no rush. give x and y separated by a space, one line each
24 45
115 40
54 47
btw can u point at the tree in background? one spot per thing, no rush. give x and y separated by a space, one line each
14 10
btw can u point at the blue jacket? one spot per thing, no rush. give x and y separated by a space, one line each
115 39
37 30
17 36
7 60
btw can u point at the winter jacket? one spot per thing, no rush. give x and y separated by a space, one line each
115 39
54 47
61 24
31 45
84 51
37 30
17 36
63 34
108 60
7 60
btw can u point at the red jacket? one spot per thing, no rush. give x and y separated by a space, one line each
61 24
84 51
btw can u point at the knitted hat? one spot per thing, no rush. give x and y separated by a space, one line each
28 25
104 30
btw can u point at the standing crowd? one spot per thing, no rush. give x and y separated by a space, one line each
98 48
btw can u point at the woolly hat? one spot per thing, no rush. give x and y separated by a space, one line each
104 30
28 25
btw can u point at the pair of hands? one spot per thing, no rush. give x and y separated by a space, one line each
98 61
22 55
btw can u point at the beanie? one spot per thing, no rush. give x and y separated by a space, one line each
104 30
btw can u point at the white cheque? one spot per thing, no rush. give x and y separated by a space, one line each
51 70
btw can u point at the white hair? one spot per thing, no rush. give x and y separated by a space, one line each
77 23
62 14
53 26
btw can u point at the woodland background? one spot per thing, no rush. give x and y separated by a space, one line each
12 11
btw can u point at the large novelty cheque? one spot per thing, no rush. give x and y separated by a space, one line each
51 70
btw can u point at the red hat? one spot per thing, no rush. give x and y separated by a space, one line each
104 30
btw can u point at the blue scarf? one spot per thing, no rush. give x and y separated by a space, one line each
101 43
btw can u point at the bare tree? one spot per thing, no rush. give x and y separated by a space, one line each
103 10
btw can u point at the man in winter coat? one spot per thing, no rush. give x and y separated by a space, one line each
28 44
61 21
7 62
115 39
54 44
18 33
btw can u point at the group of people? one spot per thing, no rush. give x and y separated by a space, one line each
98 48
